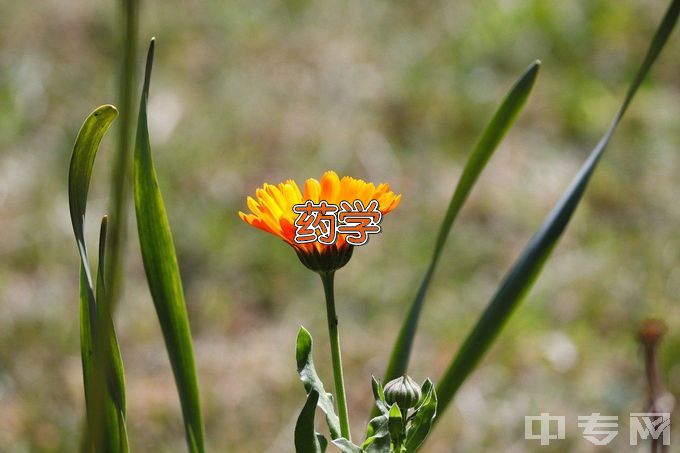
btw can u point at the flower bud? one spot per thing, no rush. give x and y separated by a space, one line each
404 391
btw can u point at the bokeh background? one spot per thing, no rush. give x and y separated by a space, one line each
246 92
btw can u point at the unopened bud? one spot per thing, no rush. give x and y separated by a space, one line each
404 391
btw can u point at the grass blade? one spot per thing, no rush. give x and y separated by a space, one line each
87 310
80 173
111 351
117 377
162 273
527 267
102 365
482 152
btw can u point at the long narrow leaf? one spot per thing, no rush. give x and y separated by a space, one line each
87 310
162 273
111 350
105 428
80 172
523 273
102 365
482 152
109 376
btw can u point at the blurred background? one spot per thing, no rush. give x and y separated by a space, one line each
246 92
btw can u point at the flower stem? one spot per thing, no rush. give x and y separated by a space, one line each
327 279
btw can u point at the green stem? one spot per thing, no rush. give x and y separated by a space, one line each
327 279
120 180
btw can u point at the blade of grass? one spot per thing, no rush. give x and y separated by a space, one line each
117 376
105 428
524 271
482 152
80 173
87 310
111 350
120 177
162 273
102 365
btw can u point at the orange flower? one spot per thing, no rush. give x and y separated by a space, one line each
273 213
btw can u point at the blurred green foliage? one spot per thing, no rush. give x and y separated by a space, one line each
246 92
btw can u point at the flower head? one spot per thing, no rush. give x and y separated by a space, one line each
272 211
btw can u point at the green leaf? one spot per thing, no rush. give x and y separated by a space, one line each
122 433
103 229
380 443
377 426
306 440
425 389
103 379
422 420
323 443
379 396
395 426
87 313
482 152
526 268
345 446
80 172
311 380
117 376
111 351
378 391
162 273
377 435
